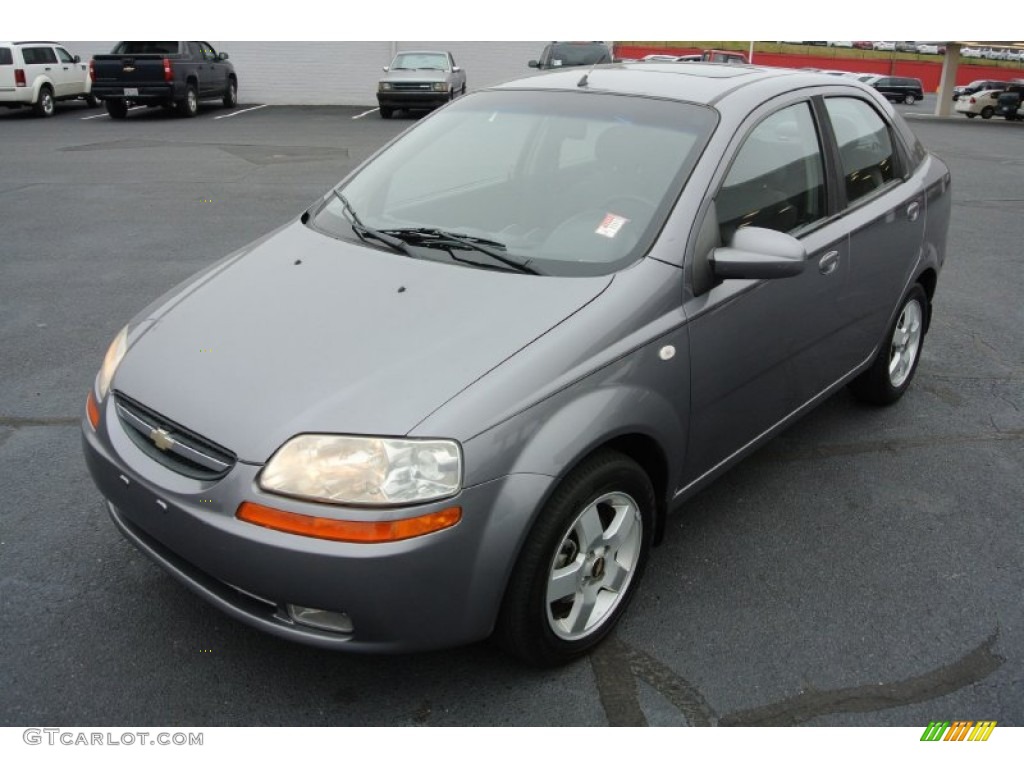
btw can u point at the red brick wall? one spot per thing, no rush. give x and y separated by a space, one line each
928 72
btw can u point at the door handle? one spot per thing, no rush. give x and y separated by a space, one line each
913 211
828 263
46 68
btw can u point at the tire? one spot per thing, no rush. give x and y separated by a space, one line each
970 115
987 112
189 106
463 89
92 101
904 340
596 531
910 99
116 108
451 95
45 106
231 94
386 112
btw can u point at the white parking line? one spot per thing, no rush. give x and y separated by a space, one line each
104 114
364 114
249 109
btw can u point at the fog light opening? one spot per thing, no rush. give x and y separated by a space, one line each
318 618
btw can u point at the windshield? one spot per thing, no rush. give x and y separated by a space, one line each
578 54
420 61
568 183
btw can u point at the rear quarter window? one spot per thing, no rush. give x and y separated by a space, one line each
5 56
143 47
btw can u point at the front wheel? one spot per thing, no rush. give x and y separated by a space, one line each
386 112
970 115
911 98
896 362
581 562
231 94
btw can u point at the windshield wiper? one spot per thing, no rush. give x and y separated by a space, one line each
363 232
432 237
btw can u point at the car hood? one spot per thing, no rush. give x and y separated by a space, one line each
306 333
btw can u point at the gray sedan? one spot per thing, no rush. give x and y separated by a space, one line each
458 396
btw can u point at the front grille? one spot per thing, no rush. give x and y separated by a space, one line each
412 86
170 444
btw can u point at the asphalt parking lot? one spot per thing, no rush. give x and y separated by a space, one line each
865 568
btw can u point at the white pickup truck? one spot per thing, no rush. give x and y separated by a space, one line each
39 74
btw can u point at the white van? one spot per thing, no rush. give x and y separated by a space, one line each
39 74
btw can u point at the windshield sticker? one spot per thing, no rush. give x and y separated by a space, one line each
610 225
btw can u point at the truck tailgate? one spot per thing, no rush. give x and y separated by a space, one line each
129 69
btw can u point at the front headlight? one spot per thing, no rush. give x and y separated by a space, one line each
440 86
364 470
384 86
110 362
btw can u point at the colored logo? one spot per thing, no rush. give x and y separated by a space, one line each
960 730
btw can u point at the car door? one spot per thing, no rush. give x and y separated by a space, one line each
69 81
761 349
884 208
214 72
40 61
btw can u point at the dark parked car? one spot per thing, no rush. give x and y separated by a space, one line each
903 89
518 336
1009 101
584 54
167 74
976 86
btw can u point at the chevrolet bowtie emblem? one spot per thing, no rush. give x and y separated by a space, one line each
129 69
162 439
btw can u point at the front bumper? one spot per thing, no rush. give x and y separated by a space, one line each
438 590
412 99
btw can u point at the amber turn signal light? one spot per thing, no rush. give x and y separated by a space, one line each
358 531
92 410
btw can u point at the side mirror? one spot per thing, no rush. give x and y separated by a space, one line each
759 254
385 68
222 56
78 59
533 64
456 69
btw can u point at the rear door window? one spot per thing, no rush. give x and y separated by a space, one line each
38 56
865 146
5 56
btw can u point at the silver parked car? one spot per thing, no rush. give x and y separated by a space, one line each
420 80
458 396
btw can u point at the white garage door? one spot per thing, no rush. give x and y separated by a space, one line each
345 72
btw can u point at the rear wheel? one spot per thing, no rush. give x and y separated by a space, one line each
92 101
911 98
894 366
45 106
189 106
581 562
116 108
987 112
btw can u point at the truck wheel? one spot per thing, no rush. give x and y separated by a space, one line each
189 106
386 112
231 94
117 108
44 107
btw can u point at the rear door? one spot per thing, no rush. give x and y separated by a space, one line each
40 61
884 207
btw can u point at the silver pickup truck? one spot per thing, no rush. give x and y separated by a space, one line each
420 80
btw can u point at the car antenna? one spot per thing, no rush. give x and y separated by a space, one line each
583 80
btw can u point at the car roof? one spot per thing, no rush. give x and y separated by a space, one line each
698 82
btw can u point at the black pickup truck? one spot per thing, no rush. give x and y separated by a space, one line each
167 74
